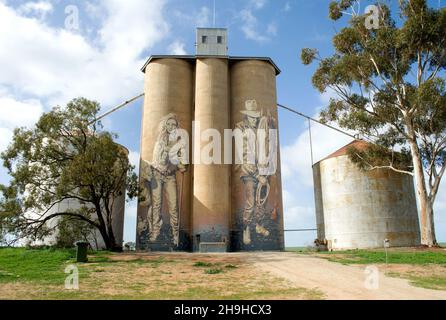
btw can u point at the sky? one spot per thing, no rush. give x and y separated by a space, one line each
54 51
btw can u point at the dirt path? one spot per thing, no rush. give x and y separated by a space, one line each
337 281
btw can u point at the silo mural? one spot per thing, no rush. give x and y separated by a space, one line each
164 208
257 219
194 197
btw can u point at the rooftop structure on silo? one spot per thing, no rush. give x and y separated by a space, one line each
212 42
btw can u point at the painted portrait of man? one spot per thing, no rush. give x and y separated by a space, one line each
254 172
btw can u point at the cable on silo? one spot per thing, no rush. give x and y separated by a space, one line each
317 121
311 141
116 108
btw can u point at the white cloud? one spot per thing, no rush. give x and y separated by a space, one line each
296 158
37 8
258 4
57 65
134 158
251 26
272 29
50 65
297 177
5 138
300 217
200 18
15 113
177 48
131 27
287 7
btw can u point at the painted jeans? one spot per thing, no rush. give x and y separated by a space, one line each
166 184
250 194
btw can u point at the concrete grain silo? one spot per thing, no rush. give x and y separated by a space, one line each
255 80
200 205
360 209
169 92
211 186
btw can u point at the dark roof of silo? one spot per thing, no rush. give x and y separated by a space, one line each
193 58
357 144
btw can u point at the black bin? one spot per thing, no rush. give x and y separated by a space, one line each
81 251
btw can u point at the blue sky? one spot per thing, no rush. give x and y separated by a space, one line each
46 63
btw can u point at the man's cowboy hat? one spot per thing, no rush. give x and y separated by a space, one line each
251 109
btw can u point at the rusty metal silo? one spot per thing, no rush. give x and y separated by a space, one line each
360 209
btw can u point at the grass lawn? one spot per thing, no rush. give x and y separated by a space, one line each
423 267
46 265
39 274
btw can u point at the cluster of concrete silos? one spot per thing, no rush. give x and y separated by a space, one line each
358 209
210 206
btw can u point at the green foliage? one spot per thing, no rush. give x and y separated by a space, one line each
47 265
334 11
378 156
213 271
66 156
71 230
434 282
394 257
371 72
308 55
390 87
202 264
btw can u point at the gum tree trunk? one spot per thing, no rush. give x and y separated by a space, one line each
426 206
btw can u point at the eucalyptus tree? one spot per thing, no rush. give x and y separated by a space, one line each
66 156
388 75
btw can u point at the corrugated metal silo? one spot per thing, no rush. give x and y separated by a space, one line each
360 209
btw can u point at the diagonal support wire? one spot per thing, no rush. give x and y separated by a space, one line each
116 108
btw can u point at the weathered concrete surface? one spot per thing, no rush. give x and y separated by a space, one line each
338 281
256 80
211 181
357 209
168 88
